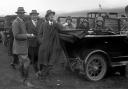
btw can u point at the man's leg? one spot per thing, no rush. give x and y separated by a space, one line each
24 69
35 64
15 61
30 54
42 64
21 67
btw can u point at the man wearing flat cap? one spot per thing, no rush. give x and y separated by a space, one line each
32 27
20 44
100 26
99 23
49 50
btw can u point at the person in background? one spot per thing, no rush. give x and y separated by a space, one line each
50 49
69 24
124 25
84 25
99 23
32 27
20 45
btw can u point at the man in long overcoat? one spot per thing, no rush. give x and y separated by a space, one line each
50 49
32 27
20 44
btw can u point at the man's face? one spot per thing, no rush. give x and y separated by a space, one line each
34 16
69 21
21 15
51 17
85 24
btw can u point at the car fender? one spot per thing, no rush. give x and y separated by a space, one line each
95 51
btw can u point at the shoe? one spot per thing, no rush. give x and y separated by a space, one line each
38 74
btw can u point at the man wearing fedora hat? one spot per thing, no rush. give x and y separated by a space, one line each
49 50
84 24
69 24
20 44
47 18
32 27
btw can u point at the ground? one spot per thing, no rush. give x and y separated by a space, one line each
61 78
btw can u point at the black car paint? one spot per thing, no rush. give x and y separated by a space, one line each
113 44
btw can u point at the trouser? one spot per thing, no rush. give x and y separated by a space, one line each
33 55
24 66
15 60
10 44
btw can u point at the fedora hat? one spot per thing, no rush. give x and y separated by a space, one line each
49 12
69 18
34 12
85 21
20 10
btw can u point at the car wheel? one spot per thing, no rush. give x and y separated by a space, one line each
95 67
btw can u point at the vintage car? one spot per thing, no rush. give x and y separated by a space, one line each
93 53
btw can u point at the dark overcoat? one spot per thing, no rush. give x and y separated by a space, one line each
31 29
50 50
20 43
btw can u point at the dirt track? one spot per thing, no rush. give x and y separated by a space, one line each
62 79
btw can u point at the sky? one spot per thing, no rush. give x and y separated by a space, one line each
59 6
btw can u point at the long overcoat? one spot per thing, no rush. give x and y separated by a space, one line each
50 50
31 29
20 44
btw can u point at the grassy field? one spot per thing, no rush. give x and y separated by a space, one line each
60 79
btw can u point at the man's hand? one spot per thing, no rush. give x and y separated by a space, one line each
65 24
30 35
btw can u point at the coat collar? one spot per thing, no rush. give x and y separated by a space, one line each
33 24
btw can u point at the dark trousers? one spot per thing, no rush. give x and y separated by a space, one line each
45 70
33 55
15 59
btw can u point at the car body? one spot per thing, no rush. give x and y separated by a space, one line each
105 50
91 52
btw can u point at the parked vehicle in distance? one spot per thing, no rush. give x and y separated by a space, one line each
2 22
